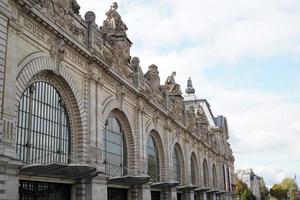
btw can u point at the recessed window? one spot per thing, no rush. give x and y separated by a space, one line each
176 166
153 159
115 148
43 131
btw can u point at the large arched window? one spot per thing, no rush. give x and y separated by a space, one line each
176 166
115 148
43 131
205 173
214 174
153 159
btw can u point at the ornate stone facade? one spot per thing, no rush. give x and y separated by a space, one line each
95 81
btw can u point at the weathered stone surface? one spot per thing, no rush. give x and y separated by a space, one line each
94 73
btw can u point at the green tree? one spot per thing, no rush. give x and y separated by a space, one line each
247 195
240 187
264 191
288 183
278 192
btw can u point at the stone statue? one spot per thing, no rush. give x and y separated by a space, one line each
171 86
113 25
152 76
138 76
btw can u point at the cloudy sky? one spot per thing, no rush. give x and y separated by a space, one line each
243 57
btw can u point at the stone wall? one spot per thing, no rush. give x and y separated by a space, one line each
93 71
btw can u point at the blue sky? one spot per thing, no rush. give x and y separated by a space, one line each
243 56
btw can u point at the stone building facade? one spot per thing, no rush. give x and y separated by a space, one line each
79 119
252 180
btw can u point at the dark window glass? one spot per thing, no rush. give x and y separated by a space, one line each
115 149
205 174
33 190
214 173
176 166
193 171
43 132
153 159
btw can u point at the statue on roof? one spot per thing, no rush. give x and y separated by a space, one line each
113 25
152 76
171 86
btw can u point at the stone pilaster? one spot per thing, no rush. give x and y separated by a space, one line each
97 188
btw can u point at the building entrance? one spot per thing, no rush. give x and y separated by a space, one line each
155 195
34 190
117 194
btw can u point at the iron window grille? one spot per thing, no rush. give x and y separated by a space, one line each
115 148
43 130
153 160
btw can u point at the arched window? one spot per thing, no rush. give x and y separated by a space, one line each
214 174
205 173
115 148
43 131
193 171
176 166
153 159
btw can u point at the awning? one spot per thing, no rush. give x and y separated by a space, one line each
221 192
204 189
164 185
187 188
213 191
59 170
128 180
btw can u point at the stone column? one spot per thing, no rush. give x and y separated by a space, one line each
188 195
167 195
146 192
96 188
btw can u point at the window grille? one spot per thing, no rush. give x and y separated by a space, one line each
43 131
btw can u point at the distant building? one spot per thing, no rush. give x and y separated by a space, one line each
252 180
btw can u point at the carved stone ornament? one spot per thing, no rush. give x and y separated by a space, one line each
171 86
155 119
177 108
152 76
57 52
62 11
121 91
191 117
113 25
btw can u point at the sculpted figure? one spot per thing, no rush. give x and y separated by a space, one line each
113 25
153 78
171 86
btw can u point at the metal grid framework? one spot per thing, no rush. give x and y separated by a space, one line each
115 148
176 166
33 190
153 160
43 131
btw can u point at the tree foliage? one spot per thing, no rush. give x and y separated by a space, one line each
278 192
240 187
247 195
284 190
264 191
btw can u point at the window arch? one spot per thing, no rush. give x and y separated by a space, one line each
194 169
214 174
115 148
153 159
43 128
205 173
176 166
